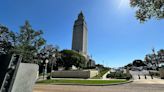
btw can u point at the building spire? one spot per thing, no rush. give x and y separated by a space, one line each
81 12
81 16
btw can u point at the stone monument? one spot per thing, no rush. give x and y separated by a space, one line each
16 76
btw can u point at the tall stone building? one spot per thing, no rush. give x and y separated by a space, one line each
80 35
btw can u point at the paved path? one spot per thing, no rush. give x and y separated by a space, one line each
116 88
142 79
104 76
142 85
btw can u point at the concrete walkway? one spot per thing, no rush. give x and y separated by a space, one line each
139 85
142 79
116 88
104 76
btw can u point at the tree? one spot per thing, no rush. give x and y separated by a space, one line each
49 52
5 40
161 52
129 65
138 63
27 42
148 58
147 9
70 58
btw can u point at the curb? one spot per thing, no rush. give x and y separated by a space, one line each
130 81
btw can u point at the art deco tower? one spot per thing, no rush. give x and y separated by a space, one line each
80 35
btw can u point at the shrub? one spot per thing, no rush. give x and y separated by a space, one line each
119 75
154 73
70 57
111 75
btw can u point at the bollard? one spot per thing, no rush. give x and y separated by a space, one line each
145 77
139 77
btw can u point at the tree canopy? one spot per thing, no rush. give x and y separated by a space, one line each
70 58
5 40
26 42
147 9
138 63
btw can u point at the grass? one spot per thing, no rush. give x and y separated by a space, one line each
102 72
91 82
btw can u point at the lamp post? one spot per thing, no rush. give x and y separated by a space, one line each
46 61
45 68
52 64
42 68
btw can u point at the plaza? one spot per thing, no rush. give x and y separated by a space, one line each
82 46
137 85
131 87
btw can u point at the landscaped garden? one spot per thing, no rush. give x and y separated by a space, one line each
83 82
101 73
119 75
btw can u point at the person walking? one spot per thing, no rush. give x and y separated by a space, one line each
139 77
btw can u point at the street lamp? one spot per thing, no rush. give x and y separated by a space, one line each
52 64
41 61
45 70
46 61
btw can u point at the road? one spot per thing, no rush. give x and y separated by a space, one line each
132 87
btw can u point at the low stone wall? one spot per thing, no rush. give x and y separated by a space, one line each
25 78
75 74
161 72
93 73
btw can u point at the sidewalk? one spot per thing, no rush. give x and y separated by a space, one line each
104 76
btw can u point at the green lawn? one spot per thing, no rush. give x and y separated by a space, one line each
81 81
102 72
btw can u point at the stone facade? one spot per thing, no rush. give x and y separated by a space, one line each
80 35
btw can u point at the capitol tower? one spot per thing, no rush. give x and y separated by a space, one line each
80 35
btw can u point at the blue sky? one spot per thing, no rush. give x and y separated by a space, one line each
115 37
